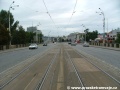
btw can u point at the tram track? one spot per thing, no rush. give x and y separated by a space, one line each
29 74
76 71
61 68
40 84
98 72
99 68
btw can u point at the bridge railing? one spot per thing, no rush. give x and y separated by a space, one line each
113 45
5 47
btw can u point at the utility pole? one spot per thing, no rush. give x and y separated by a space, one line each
11 7
84 31
102 13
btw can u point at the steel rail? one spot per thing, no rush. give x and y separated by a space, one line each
22 71
76 71
98 67
40 84
51 82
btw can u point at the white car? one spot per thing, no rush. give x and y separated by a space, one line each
86 44
73 44
33 46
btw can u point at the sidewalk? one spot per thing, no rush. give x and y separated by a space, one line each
111 48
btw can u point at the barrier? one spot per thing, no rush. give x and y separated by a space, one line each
113 45
5 47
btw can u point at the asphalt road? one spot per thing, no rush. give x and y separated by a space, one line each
110 56
11 58
59 68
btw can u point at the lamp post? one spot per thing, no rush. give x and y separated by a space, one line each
11 7
84 31
102 13
49 36
37 33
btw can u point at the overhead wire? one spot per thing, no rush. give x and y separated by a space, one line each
51 16
49 13
73 12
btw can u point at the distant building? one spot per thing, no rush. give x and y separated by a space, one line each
34 30
109 37
47 39
76 37
72 37
64 38
31 29
113 33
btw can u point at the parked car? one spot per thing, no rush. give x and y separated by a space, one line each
86 44
33 46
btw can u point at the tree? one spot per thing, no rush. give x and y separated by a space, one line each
30 37
19 36
40 37
91 35
4 35
118 38
22 35
4 20
14 27
15 37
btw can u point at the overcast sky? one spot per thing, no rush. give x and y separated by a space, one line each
67 16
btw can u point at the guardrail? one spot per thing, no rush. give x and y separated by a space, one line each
113 45
6 47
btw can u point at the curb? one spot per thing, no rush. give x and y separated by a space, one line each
116 49
14 49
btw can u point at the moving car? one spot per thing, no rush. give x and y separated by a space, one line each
69 42
86 44
73 44
33 46
45 44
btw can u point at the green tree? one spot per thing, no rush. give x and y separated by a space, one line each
19 36
87 34
4 35
4 20
91 35
14 27
30 37
22 35
40 38
118 38
15 37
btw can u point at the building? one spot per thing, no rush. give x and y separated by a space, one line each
37 32
109 37
113 33
76 37
31 29
72 37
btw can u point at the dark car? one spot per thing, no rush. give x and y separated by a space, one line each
45 44
69 42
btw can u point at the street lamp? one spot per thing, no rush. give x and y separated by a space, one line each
36 32
84 31
11 7
102 13
49 36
